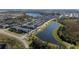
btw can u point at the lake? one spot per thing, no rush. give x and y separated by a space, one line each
46 34
33 14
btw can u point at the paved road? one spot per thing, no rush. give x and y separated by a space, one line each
14 36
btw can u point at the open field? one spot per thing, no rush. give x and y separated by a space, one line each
12 36
12 42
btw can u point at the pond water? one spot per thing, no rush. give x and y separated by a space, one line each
47 33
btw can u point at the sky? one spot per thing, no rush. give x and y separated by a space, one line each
39 4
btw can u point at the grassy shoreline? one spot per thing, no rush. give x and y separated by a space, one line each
54 33
64 44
